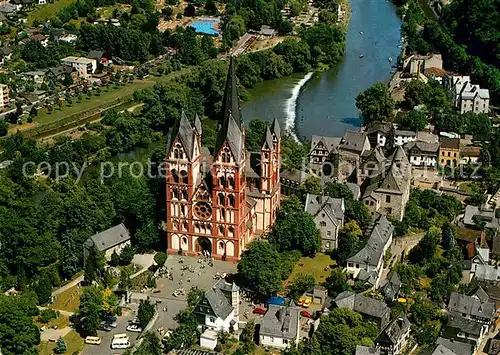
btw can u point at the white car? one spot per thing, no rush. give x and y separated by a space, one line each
134 328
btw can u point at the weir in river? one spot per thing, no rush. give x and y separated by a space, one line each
324 103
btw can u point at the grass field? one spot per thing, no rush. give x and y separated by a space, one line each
43 12
94 102
74 343
317 266
68 300
61 322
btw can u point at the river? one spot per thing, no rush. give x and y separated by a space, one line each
324 104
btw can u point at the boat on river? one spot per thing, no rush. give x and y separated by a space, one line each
361 56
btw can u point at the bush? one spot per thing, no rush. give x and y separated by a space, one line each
47 315
115 259
160 259
126 255
145 313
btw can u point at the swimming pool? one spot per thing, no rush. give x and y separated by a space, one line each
206 26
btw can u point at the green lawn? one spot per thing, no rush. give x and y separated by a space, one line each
74 343
68 300
94 102
318 266
43 12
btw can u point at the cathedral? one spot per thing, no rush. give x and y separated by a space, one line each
218 202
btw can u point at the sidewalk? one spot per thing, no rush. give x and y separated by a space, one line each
68 285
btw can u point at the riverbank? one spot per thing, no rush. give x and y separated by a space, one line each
326 104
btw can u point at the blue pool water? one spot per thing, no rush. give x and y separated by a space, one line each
205 26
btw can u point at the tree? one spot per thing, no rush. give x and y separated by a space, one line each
255 132
145 313
126 255
88 316
375 103
415 120
426 247
160 258
125 280
338 190
18 332
358 212
291 204
247 336
114 259
60 346
311 186
337 282
194 295
341 330
259 269
94 264
300 284
447 236
416 93
150 345
296 231
349 241
4 128
43 289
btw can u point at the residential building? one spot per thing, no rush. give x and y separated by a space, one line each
401 137
85 66
267 31
485 213
422 153
318 294
390 288
323 150
469 154
280 327
456 347
110 241
5 53
192 352
59 74
218 309
38 76
419 63
389 191
291 181
465 330
471 307
367 264
4 96
328 215
449 151
365 350
208 339
393 339
370 308
216 204
379 133
466 96
43 39
67 38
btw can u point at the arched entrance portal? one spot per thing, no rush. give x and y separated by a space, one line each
204 245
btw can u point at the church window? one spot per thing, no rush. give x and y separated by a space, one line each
221 245
186 226
231 231
174 194
184 194
226 156
231 183
184 175
184 241
175 175
221 199
266 156
231 201
223 181
223 157
221 229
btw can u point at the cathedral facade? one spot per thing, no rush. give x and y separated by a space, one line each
218 202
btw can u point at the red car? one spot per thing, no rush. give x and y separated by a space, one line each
305 314
259 311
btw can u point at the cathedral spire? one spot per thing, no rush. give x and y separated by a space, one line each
231 103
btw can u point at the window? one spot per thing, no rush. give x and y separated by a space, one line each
322 224
327 245
271 339
329 233
221 245
388 198
212 320
449 154
455 155
389 210
285 341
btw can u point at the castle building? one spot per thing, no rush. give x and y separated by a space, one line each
218 202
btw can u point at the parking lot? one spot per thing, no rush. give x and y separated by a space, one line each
106 337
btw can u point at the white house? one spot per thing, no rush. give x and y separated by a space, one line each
393 339
208 339
368 263
466 96
280 327
85 66
422 153
218 309
111 240
401 137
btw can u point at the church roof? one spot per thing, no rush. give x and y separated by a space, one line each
197 124
230 102
275 128
186 135
268 139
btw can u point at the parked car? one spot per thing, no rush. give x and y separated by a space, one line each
113 325
305 314
106 328
259 311
301 301
134 328
307 302
134 321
